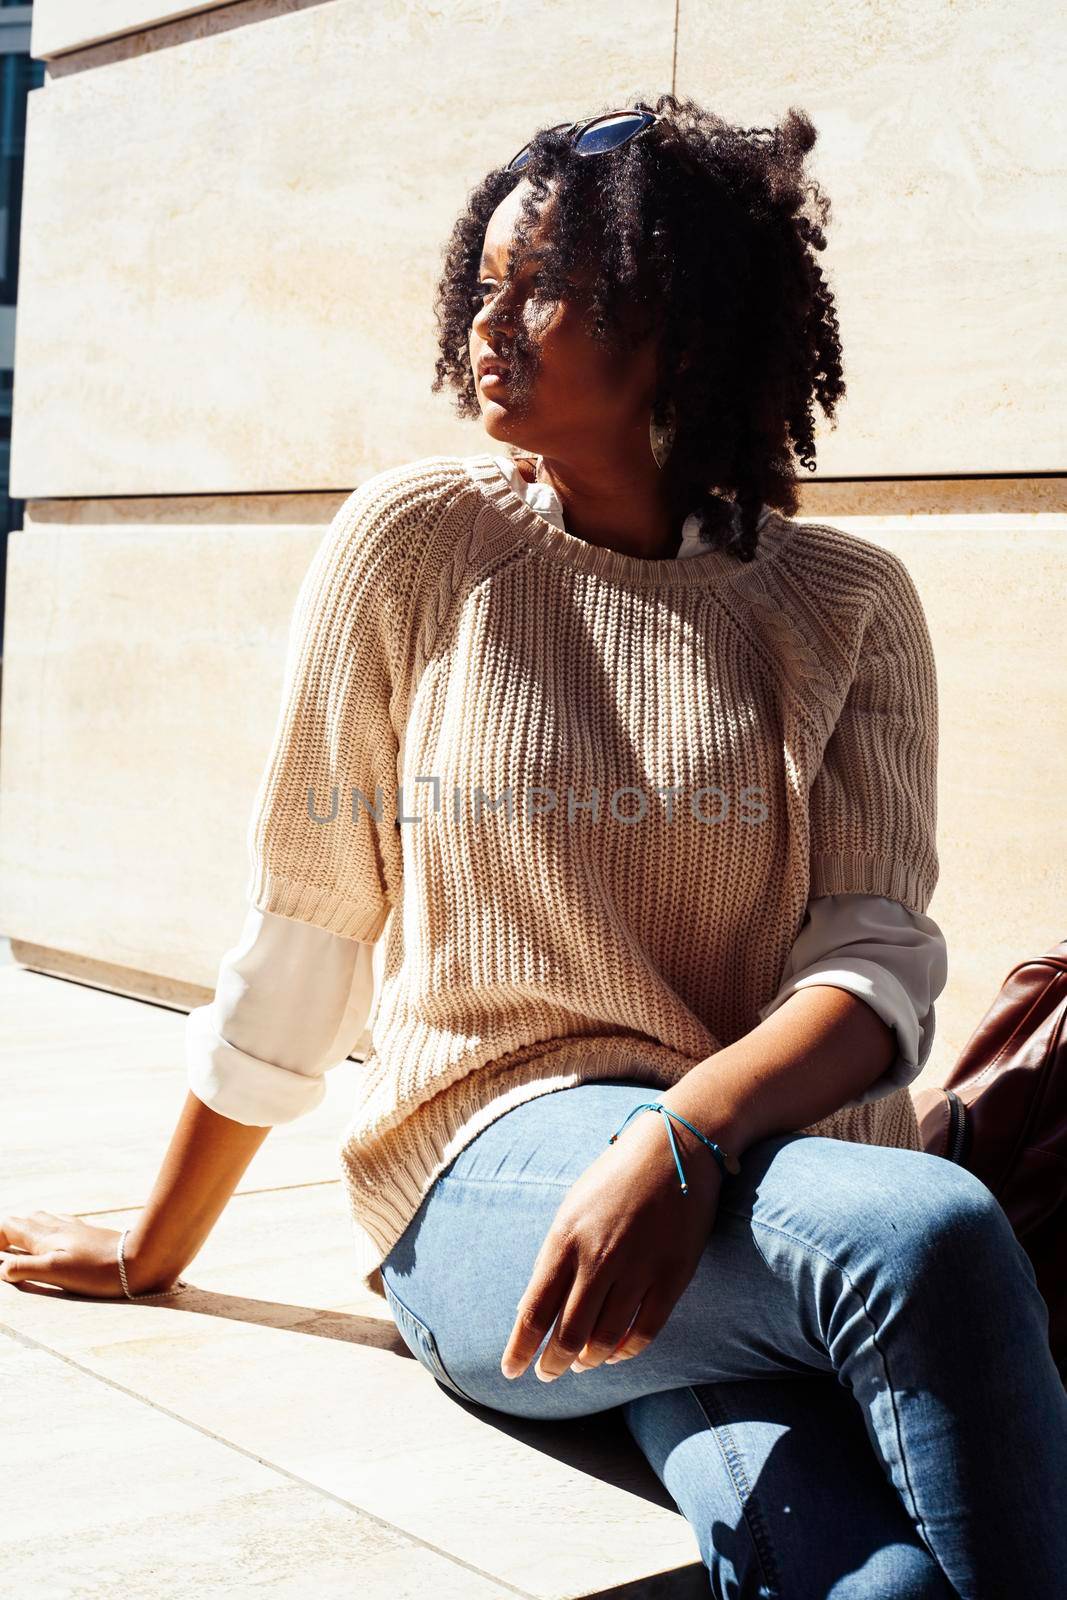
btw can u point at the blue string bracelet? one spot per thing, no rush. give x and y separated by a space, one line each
727 1163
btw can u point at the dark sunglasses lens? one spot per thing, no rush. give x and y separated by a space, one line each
610 132
524 154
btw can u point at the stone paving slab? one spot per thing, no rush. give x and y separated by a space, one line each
99 1081
113 1498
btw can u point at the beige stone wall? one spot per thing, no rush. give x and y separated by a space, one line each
65 25
232 225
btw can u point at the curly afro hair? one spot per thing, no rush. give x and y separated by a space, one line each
707 233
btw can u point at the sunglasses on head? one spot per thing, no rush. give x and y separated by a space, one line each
596 135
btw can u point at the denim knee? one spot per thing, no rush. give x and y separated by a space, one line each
950 1209
890 1222
866 1210
949 1239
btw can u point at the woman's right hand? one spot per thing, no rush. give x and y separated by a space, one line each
71 1254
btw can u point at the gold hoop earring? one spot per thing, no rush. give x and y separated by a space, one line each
661 435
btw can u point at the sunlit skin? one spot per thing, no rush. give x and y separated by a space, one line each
589 410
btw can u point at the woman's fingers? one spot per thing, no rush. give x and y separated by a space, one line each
612 1326
22 1240
598 1324
536 1311
21 1255
16 1268
62 1251
659 1301
596 1321
15 1231
574 1325
22 1231
25 1251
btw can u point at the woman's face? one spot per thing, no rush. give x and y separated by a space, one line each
566 396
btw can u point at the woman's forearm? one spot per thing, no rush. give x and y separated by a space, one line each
204 1163
818 1050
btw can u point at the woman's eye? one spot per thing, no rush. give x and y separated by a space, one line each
485 288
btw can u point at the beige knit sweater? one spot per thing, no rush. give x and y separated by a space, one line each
599 792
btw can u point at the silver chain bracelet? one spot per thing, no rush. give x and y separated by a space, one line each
179 1287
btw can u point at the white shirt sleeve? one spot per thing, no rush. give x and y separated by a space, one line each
893 958
292 1000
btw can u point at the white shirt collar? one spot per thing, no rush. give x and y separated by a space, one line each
543 499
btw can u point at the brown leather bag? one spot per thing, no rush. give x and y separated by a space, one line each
1012 1081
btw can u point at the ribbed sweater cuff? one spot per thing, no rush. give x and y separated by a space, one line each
849 872
304 902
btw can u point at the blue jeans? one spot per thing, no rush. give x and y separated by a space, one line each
853 1396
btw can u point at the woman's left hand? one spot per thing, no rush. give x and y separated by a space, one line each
621 1249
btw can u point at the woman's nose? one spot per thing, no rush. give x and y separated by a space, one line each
491 323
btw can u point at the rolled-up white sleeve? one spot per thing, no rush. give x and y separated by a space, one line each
890 956
292 1001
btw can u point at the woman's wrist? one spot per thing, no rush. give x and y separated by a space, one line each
718 1122
670 1140
148 1271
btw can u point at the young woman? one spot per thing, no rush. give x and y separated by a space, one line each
645 771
